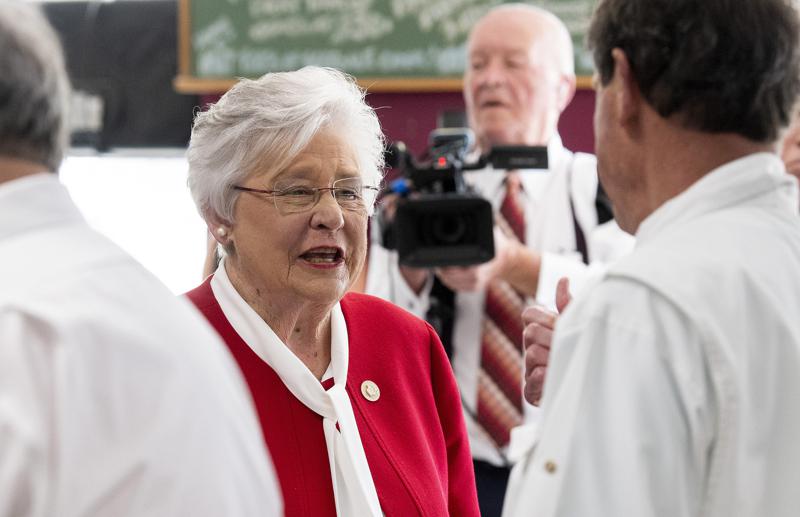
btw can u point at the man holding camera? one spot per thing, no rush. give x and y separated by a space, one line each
519 78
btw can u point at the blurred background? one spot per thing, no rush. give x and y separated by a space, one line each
137 86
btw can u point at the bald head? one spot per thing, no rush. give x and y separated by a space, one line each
533 24
520 75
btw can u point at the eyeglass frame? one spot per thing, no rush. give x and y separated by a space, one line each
277 193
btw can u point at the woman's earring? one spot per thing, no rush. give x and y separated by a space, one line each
222 232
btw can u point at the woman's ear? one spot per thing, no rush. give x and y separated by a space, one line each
212 259
221 231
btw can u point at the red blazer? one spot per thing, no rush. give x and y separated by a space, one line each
413 435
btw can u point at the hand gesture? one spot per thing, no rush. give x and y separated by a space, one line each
537 337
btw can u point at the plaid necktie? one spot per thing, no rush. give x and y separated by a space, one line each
500 375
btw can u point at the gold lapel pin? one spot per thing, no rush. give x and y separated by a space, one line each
370 390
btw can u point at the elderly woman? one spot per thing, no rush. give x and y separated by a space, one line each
356 398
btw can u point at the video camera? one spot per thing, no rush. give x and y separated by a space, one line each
439 219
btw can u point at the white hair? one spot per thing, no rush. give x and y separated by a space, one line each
34 87
267 122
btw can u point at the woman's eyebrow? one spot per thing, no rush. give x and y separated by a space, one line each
299 173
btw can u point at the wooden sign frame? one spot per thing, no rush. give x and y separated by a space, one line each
185 82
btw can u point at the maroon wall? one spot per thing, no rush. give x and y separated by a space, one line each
409 117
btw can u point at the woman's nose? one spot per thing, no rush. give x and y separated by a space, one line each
327 214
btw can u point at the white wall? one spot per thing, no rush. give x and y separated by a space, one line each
141 202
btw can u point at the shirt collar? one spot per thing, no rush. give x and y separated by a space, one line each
557 158
34 201
491 180
735 182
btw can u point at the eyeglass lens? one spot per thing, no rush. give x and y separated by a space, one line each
293 195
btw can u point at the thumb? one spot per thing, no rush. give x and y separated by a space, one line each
562 294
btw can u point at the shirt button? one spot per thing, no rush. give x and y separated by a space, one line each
370 391
550 467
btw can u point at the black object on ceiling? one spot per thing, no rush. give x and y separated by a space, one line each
125 52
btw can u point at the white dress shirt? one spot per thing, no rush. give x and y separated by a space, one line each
116 398
549 230
674 385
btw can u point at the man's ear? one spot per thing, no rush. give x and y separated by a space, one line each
566 91
629 97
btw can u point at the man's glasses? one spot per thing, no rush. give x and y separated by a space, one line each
291 198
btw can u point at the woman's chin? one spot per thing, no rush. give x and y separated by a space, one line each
325 288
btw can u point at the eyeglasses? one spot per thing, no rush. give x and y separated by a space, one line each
291 197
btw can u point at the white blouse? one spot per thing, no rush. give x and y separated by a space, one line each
353 487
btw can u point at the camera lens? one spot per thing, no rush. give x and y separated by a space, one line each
448 229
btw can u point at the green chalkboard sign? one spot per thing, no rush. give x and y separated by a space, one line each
386 44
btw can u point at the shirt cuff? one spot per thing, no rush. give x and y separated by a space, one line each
416 304
385 280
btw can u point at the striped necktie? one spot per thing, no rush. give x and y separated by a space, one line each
499 405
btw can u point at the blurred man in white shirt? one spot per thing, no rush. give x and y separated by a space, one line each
116 398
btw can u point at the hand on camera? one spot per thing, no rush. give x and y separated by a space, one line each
475 278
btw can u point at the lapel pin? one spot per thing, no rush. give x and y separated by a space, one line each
370 390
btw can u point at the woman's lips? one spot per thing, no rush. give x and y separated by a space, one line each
323 257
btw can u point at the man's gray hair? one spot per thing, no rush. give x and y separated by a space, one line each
34 88
265 123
